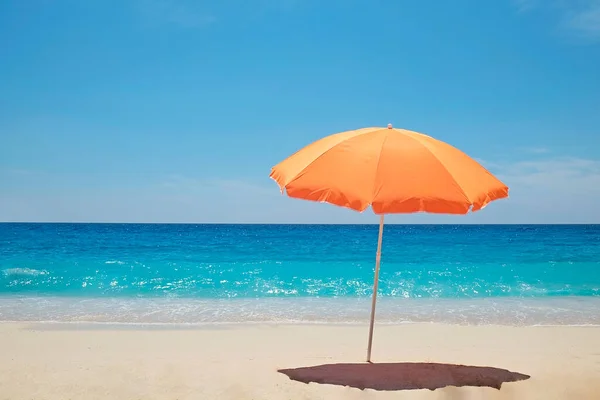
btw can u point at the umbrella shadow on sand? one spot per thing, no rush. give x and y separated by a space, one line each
403 376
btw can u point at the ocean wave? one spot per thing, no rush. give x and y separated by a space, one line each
23 272
208 285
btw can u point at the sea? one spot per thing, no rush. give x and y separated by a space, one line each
189 274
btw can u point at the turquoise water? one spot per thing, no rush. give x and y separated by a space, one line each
230 273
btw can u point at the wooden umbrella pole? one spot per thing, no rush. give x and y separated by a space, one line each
375 285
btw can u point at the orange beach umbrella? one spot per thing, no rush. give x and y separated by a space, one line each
391 170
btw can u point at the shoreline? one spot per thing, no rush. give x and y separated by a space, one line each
211 325
548 311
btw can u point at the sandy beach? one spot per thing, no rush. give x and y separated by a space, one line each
83 361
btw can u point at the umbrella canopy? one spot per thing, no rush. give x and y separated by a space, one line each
393 171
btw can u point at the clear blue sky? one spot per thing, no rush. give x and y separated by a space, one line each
175 111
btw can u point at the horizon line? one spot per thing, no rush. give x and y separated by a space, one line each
296 223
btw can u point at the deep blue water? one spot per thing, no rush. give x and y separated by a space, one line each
122 262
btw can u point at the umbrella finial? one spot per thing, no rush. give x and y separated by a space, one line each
389 126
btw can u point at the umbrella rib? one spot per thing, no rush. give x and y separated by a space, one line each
446 169
374 195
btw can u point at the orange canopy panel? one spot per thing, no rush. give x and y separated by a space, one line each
391 170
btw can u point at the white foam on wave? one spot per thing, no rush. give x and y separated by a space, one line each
24 272
572 311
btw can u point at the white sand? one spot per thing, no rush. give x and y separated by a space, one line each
71 361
